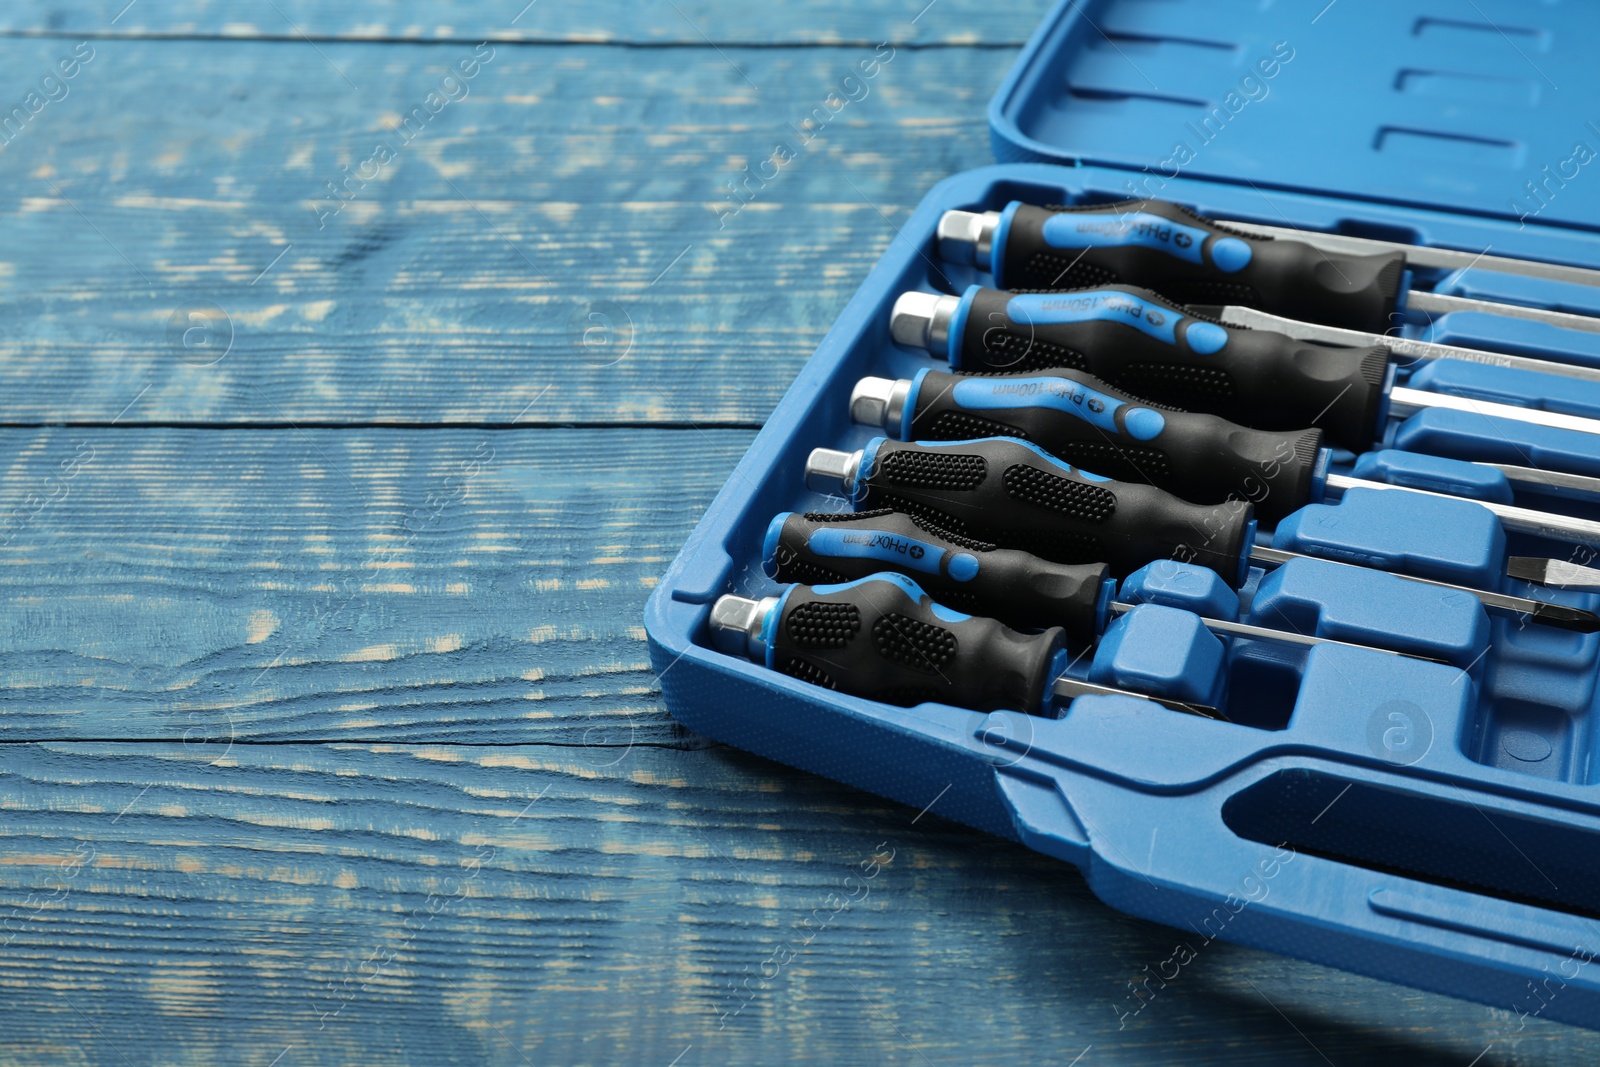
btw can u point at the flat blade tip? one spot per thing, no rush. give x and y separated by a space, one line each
1526 568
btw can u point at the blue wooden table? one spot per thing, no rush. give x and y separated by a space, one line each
365 364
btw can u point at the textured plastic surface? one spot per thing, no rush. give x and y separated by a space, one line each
1513 738
1435 474
1161 650
1407 102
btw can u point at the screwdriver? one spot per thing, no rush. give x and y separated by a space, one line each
1014 494
1335 280
1166 353
885 639
1201 458
1017 588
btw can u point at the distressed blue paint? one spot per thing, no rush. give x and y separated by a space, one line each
378 584
444 904
217 899
970 23
461 281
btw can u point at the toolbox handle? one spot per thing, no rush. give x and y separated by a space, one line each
1177 860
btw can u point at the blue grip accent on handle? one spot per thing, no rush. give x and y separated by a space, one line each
1319 476
958 326
774 537
1205 338
1231 255
877 544
1144 424
910 408
770 624
1094 305
869 460
1029 445
997 244
963 566
1102 606
1059 393
906 586
1137 228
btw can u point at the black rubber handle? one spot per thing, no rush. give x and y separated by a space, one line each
1156 349
1202 458
1012 493
885 639
1017 588
1192 260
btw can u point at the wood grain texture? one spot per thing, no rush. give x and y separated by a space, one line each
444 904
354 584
962 23
226 894
568 181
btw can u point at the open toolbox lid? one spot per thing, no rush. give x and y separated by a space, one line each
1483 108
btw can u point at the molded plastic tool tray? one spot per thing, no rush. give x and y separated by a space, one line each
1432 824
1476 107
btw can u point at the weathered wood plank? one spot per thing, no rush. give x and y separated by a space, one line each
446 904
691 22
354 584
462 278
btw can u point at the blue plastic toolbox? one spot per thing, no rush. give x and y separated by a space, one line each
1434 824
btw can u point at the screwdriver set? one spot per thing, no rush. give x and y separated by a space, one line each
1167 533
